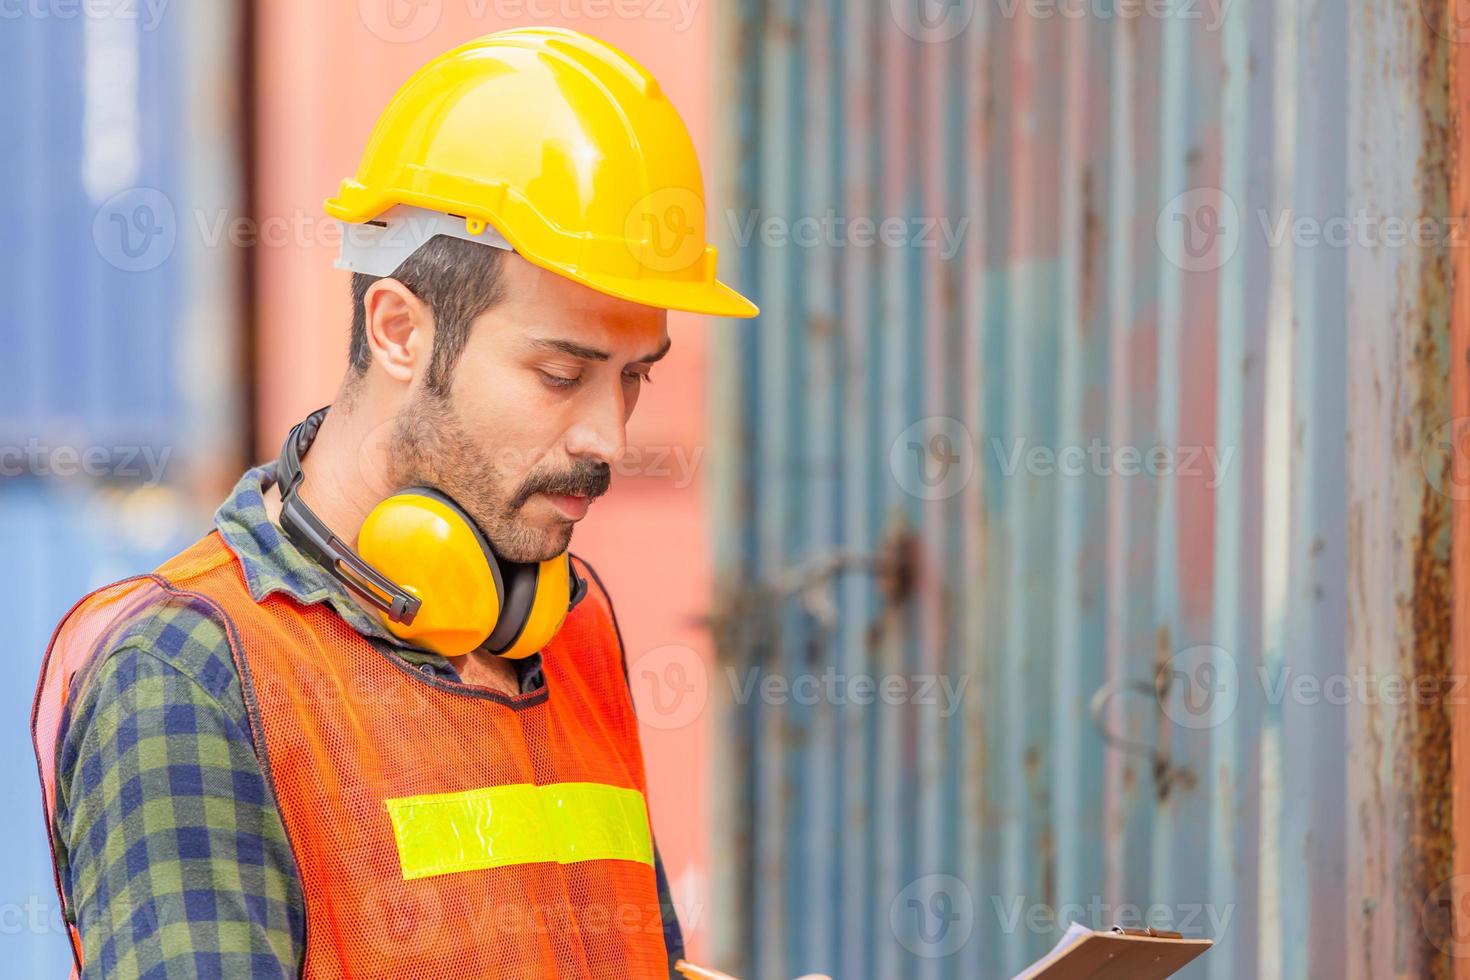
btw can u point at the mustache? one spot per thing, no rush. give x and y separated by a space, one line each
590 480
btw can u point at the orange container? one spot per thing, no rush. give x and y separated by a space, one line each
324 71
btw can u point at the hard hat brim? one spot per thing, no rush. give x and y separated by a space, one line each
354 205
710 299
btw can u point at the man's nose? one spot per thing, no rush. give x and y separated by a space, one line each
601 433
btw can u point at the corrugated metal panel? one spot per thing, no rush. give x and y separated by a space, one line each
1113 184
1398 820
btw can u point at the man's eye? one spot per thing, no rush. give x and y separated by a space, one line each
557 381
635 377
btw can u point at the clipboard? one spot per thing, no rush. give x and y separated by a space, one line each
1116 954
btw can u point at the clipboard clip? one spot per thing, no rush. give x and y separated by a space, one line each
1148 931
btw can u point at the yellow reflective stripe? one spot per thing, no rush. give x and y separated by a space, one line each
441 833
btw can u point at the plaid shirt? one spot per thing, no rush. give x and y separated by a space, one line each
170 849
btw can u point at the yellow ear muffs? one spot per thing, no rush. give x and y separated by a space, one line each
422 541
423 563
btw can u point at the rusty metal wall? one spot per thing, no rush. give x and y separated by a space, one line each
1083 531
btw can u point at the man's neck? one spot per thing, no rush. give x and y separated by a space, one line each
344 476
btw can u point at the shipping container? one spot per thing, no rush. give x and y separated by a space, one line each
121 383
59 543
119 189
1102 382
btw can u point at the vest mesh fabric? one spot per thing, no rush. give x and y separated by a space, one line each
341 726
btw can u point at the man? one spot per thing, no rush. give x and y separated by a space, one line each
284 755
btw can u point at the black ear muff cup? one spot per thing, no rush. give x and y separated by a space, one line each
520 580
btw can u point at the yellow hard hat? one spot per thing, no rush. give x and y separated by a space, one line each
567 149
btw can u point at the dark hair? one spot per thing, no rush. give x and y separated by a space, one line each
458 279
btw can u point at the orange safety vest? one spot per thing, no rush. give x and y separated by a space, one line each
439 829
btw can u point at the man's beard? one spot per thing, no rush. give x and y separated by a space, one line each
431 447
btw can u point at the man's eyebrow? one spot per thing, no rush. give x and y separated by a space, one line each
650 358
570 348
585 353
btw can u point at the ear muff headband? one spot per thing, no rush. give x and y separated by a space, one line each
425 565
309 533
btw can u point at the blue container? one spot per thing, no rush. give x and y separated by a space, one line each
59 543
116 377
90 219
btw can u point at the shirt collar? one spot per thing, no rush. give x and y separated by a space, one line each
272 563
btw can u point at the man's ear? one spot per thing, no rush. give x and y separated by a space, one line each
400 329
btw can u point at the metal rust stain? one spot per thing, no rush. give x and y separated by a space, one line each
1429 857
1092 246
1166 774
1459 347
1430 854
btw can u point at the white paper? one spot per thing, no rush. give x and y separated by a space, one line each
1074 934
